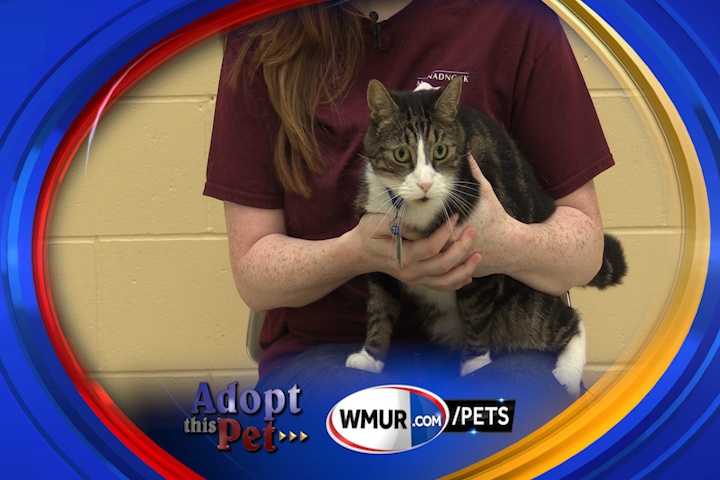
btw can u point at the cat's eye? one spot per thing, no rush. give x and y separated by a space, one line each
440 151
401 154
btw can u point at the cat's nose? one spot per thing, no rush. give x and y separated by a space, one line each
425 185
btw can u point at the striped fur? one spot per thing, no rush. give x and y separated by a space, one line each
497 313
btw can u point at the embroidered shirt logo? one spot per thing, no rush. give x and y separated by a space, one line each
441 76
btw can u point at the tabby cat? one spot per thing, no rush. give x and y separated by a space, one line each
411 132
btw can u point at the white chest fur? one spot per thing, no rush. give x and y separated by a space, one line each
447 327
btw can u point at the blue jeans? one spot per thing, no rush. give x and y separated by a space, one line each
320 370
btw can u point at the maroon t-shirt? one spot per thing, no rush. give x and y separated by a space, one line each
517 67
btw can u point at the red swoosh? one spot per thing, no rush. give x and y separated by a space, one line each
94 395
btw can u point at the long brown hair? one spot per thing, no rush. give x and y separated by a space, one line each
307 57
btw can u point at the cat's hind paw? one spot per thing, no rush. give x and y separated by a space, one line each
475 363
570 378
362 360
571 362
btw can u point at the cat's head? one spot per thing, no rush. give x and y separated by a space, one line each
415 144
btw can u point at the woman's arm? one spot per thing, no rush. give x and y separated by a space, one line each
272 270
563 252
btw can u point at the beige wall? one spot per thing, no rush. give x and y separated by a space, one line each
138 257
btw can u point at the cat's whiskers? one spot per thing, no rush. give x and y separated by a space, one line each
467 188
389 207
461 183
465 191
455 205
463 200
468 196
447 218
387 214
472 192
386 198
460 203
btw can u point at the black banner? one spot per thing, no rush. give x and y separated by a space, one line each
480 415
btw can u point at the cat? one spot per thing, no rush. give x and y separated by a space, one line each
410 132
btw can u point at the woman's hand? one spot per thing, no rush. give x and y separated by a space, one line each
553 256
496 229
435 262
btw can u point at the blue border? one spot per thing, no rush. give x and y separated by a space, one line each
675 40
79 48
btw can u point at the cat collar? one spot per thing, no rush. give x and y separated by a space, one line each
397 202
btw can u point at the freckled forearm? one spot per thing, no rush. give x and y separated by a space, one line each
281 271
563 252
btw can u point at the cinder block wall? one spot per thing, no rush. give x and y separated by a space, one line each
139 262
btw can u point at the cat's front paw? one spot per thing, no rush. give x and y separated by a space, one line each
570 378
362 360
475 363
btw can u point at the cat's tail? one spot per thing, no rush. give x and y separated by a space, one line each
613 267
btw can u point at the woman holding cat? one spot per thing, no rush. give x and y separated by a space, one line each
290 117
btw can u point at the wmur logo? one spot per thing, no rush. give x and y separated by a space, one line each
387 419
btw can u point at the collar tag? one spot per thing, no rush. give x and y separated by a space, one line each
395 228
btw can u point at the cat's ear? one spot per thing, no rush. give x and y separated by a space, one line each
380 101
446 106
